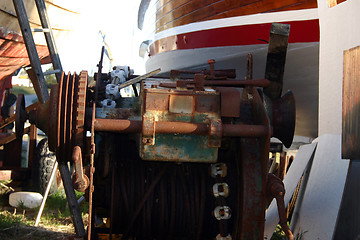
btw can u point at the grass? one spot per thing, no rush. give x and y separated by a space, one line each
18 223
280 235
7 220
24 90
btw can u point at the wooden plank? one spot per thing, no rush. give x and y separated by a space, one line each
32 145
351 104
15 174
196 10
180 6
193 9
253 10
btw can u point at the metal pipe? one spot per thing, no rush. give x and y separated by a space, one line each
232 83
117 125
53 172
135 126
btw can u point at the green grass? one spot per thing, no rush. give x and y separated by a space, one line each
55 222
24 90
280 235
57 210
8 219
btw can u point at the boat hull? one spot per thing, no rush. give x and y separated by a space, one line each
228 40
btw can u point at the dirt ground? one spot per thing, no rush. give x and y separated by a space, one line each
18 224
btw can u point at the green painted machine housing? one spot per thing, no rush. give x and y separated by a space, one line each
178 105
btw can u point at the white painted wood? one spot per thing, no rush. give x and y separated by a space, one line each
338 32
291 180
319 208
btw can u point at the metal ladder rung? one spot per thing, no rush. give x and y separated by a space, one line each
40 30
52 72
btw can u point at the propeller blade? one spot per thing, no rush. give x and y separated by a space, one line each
275 63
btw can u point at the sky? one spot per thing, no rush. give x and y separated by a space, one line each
117 20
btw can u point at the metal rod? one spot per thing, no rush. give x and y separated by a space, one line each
92 170
235 83
53 172
39 81
49 37
140 78
71 198
134 126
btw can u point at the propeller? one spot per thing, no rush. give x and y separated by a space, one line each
280 109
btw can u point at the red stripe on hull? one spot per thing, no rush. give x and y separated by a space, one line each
300 32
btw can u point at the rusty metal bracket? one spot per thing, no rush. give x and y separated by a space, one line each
215 133
148 130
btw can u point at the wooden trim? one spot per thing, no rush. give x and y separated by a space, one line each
181 12
351 104
15 174
333 3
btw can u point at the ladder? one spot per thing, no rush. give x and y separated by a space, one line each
37 77
42 93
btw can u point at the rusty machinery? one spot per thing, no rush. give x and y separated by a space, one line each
187 158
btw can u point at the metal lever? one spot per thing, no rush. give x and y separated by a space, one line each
276 189
80 180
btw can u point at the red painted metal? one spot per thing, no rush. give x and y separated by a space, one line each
13 54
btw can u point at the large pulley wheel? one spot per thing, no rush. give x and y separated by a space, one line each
67 115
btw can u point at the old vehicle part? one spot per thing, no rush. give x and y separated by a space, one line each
275 65
276 189
180 133
62 118
80 180
44 161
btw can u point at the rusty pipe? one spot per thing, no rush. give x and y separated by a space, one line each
135 126
236 83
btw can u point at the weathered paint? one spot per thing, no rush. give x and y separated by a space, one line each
178 105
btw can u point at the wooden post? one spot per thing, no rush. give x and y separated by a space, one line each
32 145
